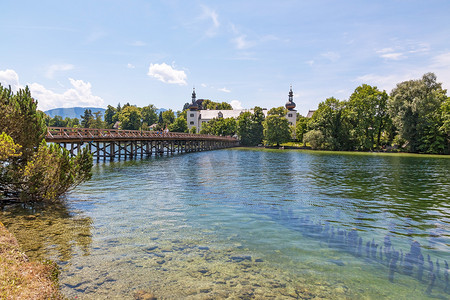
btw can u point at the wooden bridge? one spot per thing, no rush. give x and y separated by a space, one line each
128 144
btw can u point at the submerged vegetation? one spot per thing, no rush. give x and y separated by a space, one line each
31 170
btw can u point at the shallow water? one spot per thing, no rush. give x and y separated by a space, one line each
247 224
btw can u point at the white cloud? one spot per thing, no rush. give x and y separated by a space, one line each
442 60
310 62
165 73
236 104
224 89
79 95
241 42
10 77
203 85
214 17
331 56
385 50
130 66
56 68
393 56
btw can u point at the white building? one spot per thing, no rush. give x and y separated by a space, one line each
196 116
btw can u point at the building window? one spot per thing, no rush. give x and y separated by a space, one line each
192 115
192 123
290 115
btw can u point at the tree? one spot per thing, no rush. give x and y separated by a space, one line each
276 127
331 118
111 116
314 138
57 121
220 127
168 117
8 148
257 128
130 118
98 121
368 115
244 124
445 107
39 172
193 130
250 127
415 108
180 125
87 119
301 127
208 104
149 115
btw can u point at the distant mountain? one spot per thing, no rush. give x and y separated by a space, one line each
72 112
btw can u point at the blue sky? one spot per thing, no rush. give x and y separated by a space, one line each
95 53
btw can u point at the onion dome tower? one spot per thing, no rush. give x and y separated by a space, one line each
194 105
290 105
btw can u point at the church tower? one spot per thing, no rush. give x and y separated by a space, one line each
193 115
290 106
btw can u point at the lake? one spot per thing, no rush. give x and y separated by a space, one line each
245 223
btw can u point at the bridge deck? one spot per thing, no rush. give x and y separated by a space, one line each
73 135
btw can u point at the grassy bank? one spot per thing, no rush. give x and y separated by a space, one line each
21 278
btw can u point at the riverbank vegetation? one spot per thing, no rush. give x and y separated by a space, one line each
31 170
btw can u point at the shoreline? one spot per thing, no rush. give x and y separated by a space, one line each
22 278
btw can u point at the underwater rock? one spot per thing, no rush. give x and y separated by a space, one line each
144 295
241 258
151 248
337 262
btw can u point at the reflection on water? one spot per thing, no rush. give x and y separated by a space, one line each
256 224
48 231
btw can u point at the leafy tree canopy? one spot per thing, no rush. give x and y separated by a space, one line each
38 172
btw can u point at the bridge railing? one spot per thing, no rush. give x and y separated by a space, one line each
58 133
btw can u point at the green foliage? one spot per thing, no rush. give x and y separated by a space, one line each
276 127
301 127
367 108
168 117
415 108
180 125
98 121
149 115
331 118
52 172
39 172
130 118
111 116
8 148
87 119
193 130
220 126
57 121
314 138
208 104
250 127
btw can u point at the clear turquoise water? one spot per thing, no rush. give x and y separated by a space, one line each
238 224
